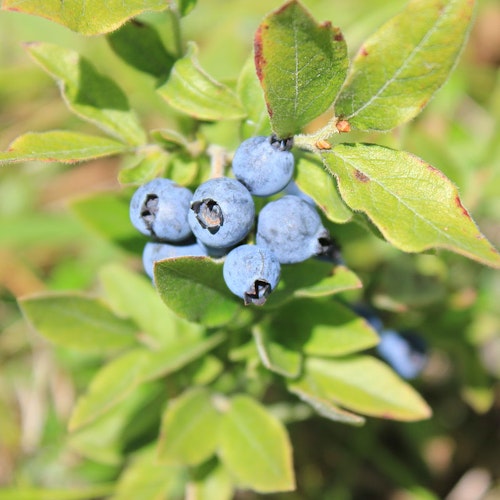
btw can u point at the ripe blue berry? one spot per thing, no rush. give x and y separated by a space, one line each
222 212
160 208
292 229
263 164
406 353
251 272
155 251
292 188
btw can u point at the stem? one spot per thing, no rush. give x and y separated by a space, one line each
308 141
176 29
218 160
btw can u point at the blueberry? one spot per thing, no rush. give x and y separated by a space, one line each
264 165
252 273
160 209
292 230
406 353
292 188
370 315
155 251
222 212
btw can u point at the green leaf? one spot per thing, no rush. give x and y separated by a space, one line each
78 322
399 68
301 66
133 296
134 40
312 278
276 357
339 280
61 146
194 288
146 479
151 164
80 493
321 328
382 183
191 90
108 215
252 98
255 448
87 93
106 439
189 430
178 354
362 384
185 6
87 17
308 392
111 385
312 178
210 484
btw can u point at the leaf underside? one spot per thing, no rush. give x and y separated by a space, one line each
88 17
415 206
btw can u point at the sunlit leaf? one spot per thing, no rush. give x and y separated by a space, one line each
193 91
413 204
85 16
90 95
255 448
301 65
400 67
189 431
362 384
78 322
61 146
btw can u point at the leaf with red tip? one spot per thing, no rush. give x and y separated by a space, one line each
301 66
414 205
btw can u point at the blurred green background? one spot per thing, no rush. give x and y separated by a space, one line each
452 302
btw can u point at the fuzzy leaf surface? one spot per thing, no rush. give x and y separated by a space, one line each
78 322
255 448
87 93
414 205
61 146
194 288
301 66
189 431
193 91
362 384
87 17
399 68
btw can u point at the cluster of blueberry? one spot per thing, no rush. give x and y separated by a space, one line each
218 217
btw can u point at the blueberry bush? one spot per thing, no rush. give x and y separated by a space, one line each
280 290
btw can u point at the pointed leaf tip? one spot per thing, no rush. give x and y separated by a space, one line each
399 68
382 183
301 66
